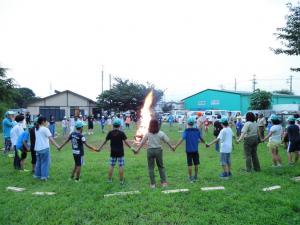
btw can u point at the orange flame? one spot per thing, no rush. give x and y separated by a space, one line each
145 117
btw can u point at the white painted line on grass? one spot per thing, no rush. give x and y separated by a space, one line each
44 193
15 189
271 188
123 193
175 191
296 179
212 188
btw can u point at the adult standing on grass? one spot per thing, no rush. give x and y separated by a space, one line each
250 136
192 137
7 125
14 135
293 136
275 136
52 125
42 148
261 122
155 137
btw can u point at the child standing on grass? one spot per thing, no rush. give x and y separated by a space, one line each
64 124
90 125
217 129
225 137
206 125
154 138
192 137
22 147
14 134
77 140
275 136
7 125
293 136
116 138
42 149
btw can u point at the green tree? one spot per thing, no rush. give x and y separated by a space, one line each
127 95
167 108
260 100
290 34
284 92
23 97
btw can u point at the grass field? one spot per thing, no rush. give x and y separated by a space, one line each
242 202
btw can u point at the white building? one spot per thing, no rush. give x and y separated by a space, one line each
62 104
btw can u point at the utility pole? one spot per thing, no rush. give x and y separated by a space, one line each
290 82
235 84
102 73
254 82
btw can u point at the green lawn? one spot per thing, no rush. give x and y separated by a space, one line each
243 201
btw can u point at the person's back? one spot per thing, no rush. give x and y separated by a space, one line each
293 132
225 137
116 138
217 128
191 137
155 140
77 140
276 133
7 125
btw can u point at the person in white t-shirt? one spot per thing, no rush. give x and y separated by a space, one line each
72 124
14 135
225 138
275 137
42 149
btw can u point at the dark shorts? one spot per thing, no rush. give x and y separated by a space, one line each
293 146
78 159
192 158
225 159
90 126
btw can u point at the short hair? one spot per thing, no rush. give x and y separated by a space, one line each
276 122
250 117
219 116
19 118
291 122
226 124
153 126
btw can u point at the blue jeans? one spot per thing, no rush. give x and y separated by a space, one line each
52 129
42 165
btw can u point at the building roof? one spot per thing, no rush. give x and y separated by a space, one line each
241 93
63 92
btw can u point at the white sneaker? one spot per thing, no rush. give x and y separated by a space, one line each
152 186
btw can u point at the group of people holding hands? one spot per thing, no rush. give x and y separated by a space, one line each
38 137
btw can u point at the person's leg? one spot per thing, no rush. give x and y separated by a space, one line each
33 159
38 169
110 172
190 169
73 172
196 164
255 161
278 158
121 162
296 156
274 156
247 151
45 164
78 169
160 165
150 159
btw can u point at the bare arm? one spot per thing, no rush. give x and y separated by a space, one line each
90 147
104 143
66 141
54 142
269 135
213 142
179 143
25 145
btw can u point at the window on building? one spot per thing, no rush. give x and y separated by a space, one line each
215 102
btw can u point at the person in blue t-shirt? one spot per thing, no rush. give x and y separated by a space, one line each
22 147
192 137
7 125
239 126
77 140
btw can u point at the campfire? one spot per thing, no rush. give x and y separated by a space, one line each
145 118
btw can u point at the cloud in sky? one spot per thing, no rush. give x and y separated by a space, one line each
181 46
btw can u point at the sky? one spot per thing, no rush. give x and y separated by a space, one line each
180 46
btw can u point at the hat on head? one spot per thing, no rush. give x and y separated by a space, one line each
191 121
79 124
117 122
224 120
291 119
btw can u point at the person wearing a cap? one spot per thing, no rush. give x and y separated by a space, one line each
192 137
275 136
293 136
225 138
200 121
250 135
14 135
117 139
7 125
42 149
78 141
261 123
154 138
32 143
